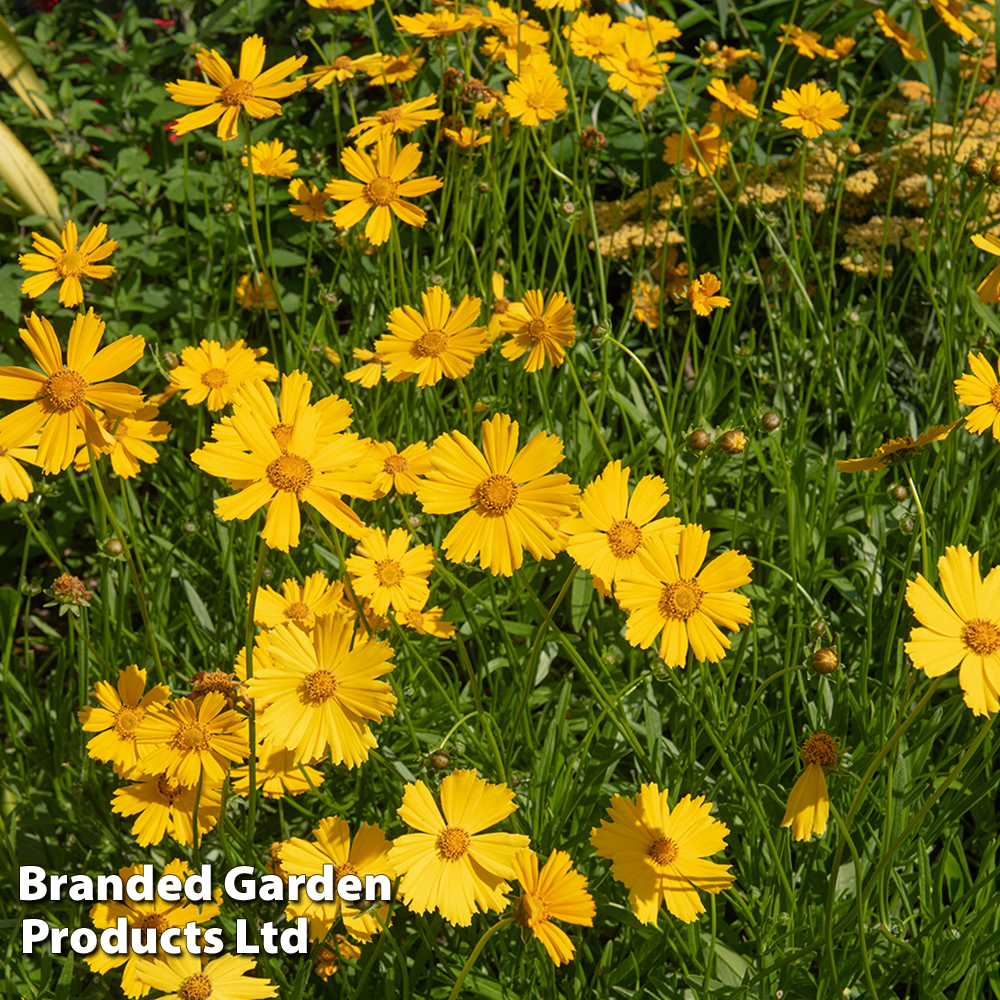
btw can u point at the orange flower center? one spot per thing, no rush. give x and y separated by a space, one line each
216 680
345 869
633 66
126 720
290 473
596 41
70 264
663 851
121 431
537 329
214 378
431 344
680 600
168 788
501 306
193 736
438 26
810 112
453 842
995 396
497 494
155 920
388 572
820 748
414 618
321 685
624 539
381 191
297 609
198 986
981 636
394 464
66 389
236 94
529 910
535 100
342 62
389 116
282 433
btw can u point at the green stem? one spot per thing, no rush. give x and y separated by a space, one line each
475 954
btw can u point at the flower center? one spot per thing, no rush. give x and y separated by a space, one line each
663 851
389 116
995 396
394 464
345 869
820 748
126 720
501 306
624 539
535 100
388 572
414 618
453 842
680 600
595 40
155 920
66 389
438 26
497 494
981 636
71 264
235 95
193 736
297 609
431 344
214 378
290 473
218 681
342 62
198 986
321 685
529 910
282 433
810 112
381 191
168 788
633 66
537 329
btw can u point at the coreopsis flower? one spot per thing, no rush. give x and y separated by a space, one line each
951 13
557 892
808 809
467 138
981 390
989 287
535 97
183 977
637 67
439 23
311 200
406 117
214 372
157 915
704 152
727 57
843 46
59 395
811 110
130 439
646 303
381 186
594 35
185 741
703 294
511 495
400 469
450 865
611 528
891 29
659 29
516 36
277 773
341 69
119 716
271 159
249 294
368 854
567 5
390 573
298 603
896 451
681 601
340 6
318 695
807 43
328 959
388 69
437 342
541 330
16 446
426 622
370 373
67 263
254 90
501 305
164 807
660 854
962 630
735 98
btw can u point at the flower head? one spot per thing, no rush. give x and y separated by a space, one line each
808 809
704 152
254 89
311 200
439 23
298 604
406 117
249 294
541 330
400 469
735 98
896 451
811 110
391 573
637 67
164 807
277 773
389 69
594 35
450 865
658 853
535 96
271 159
130 439
981 390
891 29
703 295
214 372
342 68
962 630
16 446
989 287
183 977
66 263
426 622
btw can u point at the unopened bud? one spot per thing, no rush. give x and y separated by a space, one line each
699 440
770 421
733 442
825 661
899 493
975 166
113 547
439 760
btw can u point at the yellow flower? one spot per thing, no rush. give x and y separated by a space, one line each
16 446
658 854
328 959
59 394
66 263
340 5
130 437
400 469
439 23
382 187
702 295
727 57
962 631
318 694
704 152
298 603
981 389
735 98
166 807
896 451
450 865
535 97
637 68
389 572
119 716
517 36
808 809
806 42
594 35
406 117
388 69
343 68
542 331
951 13
556 893
426 622
215 373
183 977
312 201
989 287
675 596
843 46
512 495
811 110
271 159
467 138
248 292
370 373
891 29
657 28
254 90
277 773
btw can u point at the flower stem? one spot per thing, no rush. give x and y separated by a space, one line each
475 954
252 758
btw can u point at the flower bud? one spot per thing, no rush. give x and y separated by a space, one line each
899 493
439 760
200 156
825 661
733 442
906 525
994 174
975 166
699 440
483 188
770 421
711 46
226 207
170 360
113 547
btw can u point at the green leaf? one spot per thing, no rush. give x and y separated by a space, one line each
201 614
90 182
